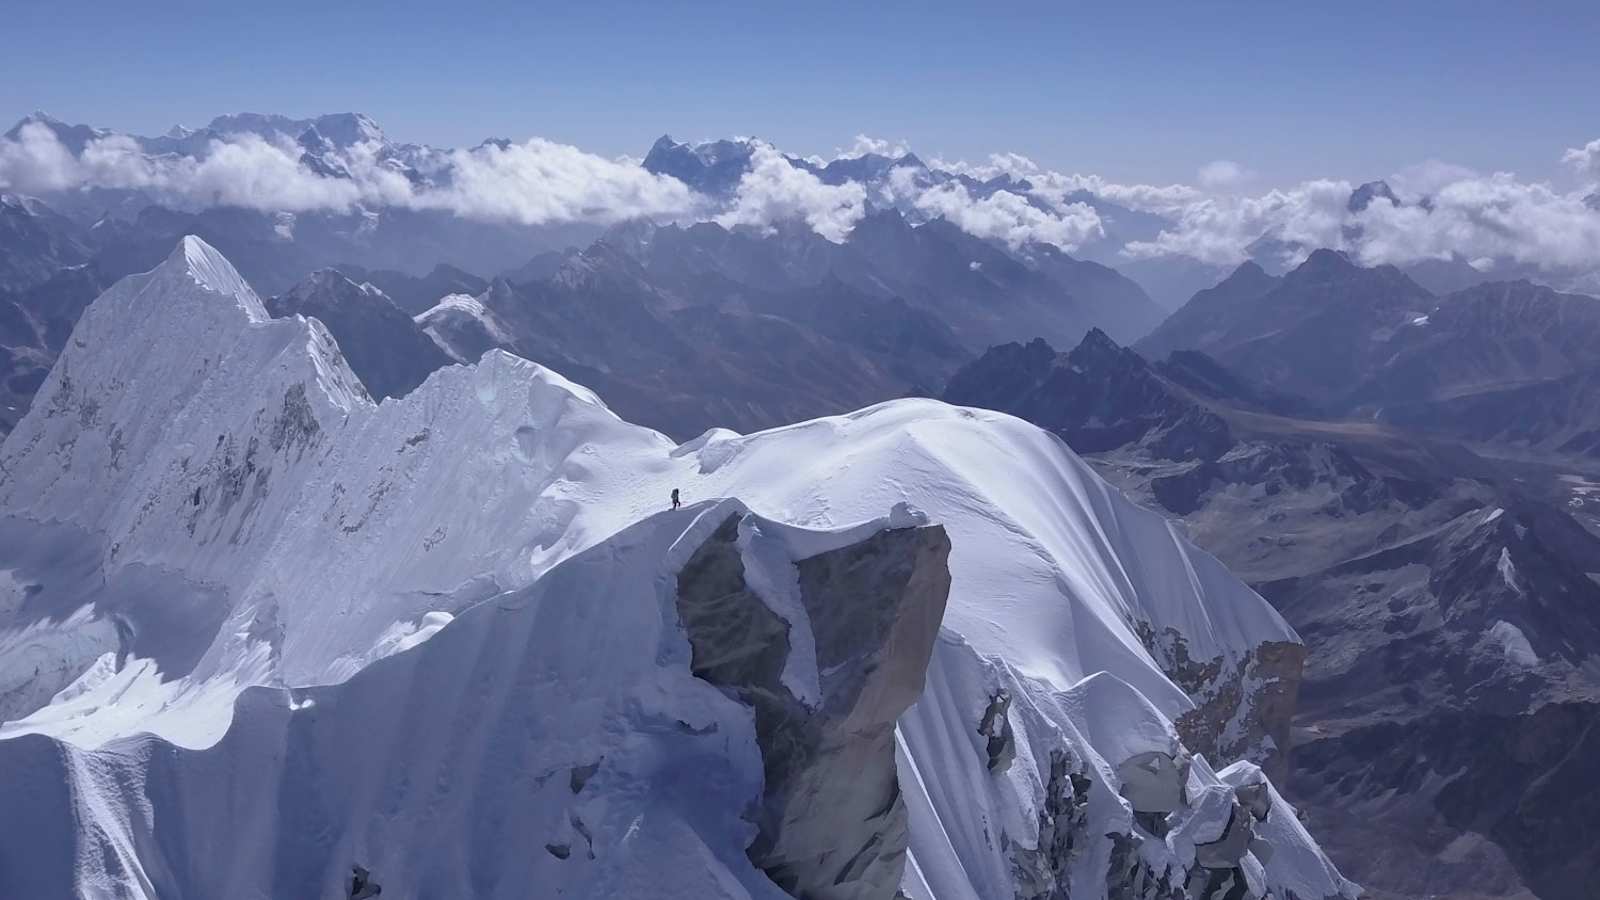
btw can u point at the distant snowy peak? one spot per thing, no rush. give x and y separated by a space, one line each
212 273
148 355
463 327
1363 196
711 167
328 286
341 130
73 137
326 144
715 167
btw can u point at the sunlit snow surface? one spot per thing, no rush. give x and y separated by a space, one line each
185 434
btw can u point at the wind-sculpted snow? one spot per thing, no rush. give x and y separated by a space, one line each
186 436
551 741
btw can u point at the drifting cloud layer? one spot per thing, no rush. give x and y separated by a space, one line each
1002 215
775 190
531 183
864 145
1473 217
1220 230
1444 211
1059 189
1585 159
540 181
1486 218
1438 211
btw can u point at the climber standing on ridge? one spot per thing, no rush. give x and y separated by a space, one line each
675 502
362 887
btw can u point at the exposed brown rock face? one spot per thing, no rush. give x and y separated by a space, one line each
832 821
1243 710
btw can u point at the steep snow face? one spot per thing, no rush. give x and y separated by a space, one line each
462 327
552 741
228 471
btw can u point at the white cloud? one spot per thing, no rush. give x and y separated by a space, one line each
1056 187
1013 164
1217 230
1585 159
1446 210
1151 198
1003 215
541 181
1493 217
1221 174
36 162
774 190
1478 217
864 145
1418 181
530 183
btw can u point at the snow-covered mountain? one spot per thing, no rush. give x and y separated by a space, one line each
256 629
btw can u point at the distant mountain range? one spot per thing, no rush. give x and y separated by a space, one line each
1508 362
660 318
657 316
351 148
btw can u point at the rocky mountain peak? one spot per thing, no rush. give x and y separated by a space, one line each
1247 273
1363 196
1324 264
386 348
325 289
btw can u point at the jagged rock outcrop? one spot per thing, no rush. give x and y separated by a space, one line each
832 821
1044 870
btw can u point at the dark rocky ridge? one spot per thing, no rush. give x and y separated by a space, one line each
416 295
1097 397
384 347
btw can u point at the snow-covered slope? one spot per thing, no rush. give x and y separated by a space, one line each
462 327
203 499
553 741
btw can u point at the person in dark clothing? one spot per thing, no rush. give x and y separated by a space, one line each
675 502
362 886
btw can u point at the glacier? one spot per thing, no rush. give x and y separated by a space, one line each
256 628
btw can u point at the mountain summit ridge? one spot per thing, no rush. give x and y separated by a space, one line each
307 537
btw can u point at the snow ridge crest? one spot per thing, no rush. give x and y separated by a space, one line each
212 272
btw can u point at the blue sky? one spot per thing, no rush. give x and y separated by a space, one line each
1135 92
